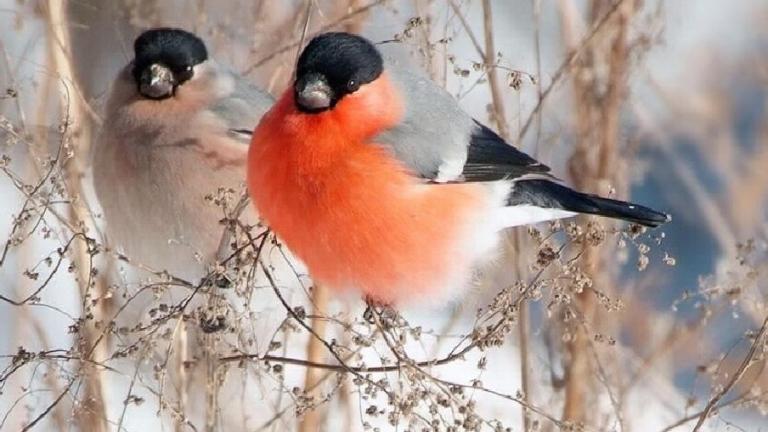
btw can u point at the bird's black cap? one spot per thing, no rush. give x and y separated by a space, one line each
178 50
343 60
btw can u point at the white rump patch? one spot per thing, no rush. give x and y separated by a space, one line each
510 216
527 214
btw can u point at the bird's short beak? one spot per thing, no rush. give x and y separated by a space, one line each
313 93
157 82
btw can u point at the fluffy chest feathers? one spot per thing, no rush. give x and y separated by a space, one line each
352 212
152 181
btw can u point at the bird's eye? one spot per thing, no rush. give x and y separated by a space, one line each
353 85
183 74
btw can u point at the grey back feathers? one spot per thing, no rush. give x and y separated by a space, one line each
243 107
432 138
441 142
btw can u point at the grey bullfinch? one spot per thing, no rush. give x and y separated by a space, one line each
176 129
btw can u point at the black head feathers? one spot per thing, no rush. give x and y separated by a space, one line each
176 49
346 61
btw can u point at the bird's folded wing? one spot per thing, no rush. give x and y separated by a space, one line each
241 109
491 158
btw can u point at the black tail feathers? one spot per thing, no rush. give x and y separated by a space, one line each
548 194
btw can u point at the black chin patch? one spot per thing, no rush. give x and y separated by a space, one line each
345 60
177 49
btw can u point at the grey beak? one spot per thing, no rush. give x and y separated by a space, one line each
313 93
157 82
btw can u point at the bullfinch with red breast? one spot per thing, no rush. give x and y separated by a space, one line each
380 183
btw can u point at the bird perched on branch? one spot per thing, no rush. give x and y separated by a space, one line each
379 182
177 128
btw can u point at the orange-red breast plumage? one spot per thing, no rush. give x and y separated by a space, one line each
350 210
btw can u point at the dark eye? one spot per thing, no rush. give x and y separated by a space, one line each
353 85
184 74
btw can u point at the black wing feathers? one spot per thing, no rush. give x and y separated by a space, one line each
490 158
547 194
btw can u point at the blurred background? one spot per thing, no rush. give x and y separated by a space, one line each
583 325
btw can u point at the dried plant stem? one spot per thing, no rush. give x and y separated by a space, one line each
326 375
523 329
22 321
311 421
500 118
745 364
467 28
578 371
346 394
614 95
212 383
182 376
567 65
59 413
525 376
94 416
537 51
499 113
592 166
744 397
297 42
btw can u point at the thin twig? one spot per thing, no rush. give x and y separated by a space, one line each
743 397
297 42
308 328
745 364
489 57
565 67
537 52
